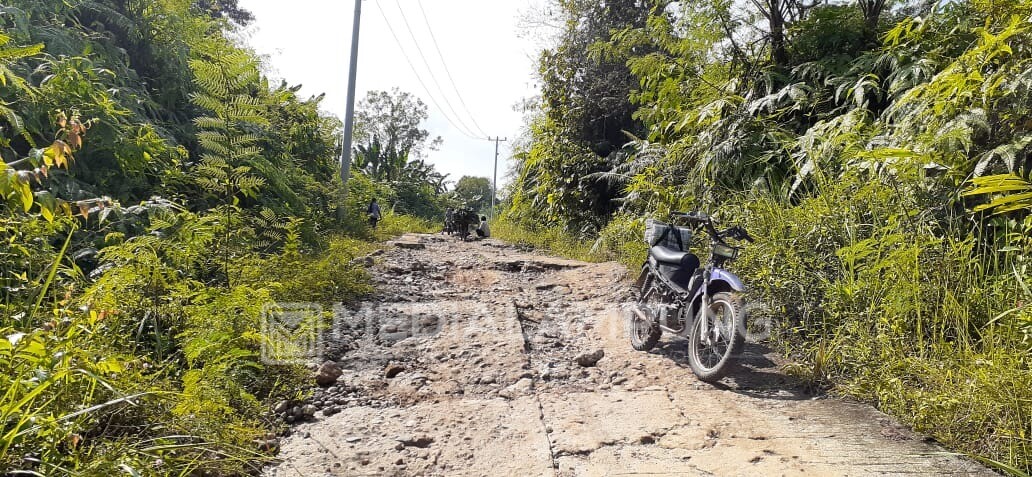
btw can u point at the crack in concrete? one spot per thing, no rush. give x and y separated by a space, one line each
537 397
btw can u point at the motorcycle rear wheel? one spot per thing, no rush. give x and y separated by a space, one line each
643 328
713 359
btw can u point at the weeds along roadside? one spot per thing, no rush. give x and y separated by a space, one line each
882 163
153 367
871 301
129 335
876 302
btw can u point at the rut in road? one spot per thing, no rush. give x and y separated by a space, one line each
482 359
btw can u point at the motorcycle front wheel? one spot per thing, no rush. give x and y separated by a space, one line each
711 356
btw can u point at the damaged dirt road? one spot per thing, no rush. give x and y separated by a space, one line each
481 359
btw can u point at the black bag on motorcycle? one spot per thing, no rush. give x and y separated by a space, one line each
666 235
675 238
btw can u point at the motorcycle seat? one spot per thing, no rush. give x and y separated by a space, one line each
669 256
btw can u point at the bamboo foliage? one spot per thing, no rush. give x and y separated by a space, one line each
1007 192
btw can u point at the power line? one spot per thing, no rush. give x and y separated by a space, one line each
412 66
448 71
418 78
429 69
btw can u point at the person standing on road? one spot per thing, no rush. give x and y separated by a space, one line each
483 231
373 212
449 217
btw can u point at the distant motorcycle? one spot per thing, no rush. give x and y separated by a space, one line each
700 303
462 220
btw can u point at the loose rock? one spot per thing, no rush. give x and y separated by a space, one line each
393 370
588 360
519 388
269 445
420 441
408 245
327 374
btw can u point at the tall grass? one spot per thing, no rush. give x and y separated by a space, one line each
911 312
907 311
554 240
394 225
153 368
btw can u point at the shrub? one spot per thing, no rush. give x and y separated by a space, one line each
553 239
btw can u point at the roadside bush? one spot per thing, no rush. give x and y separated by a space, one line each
393 225
880 305
553 239
326 277
150 368
623 239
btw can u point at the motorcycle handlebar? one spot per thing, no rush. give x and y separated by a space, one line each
701 219
692 216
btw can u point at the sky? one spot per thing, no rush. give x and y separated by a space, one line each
308 42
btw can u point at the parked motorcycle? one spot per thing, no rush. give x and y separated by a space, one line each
464 221
700 303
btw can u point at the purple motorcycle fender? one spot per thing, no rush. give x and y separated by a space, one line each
727 277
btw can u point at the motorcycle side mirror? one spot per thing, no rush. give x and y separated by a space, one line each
741 234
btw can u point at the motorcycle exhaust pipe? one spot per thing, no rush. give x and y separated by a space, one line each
641 314
662 325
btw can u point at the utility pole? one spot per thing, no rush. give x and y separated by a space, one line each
349 114
494 182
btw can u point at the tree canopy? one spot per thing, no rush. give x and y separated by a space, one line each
392 119
391 146
474 192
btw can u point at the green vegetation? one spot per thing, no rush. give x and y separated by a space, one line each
554 239
156 192
473 192
396 224
390 153
879 151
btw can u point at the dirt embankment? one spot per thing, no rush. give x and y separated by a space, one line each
481 359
